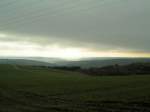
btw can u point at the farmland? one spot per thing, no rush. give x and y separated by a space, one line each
39 89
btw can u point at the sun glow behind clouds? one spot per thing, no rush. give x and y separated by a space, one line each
27 49
30 49
10 46
2 35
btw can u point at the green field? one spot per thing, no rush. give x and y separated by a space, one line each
35 89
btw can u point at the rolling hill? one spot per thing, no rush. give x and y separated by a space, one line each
100 62
25 62
84 63
32 89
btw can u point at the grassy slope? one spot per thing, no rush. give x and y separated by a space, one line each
42 90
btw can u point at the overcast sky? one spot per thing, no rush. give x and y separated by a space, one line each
75 28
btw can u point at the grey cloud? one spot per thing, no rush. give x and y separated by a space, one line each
100 24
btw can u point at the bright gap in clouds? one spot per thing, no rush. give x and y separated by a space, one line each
10 45
3 35
27 48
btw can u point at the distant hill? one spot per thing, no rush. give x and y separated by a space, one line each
40 59
24 62
84 63
98 62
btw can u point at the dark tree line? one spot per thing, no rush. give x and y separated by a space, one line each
130 69
71 68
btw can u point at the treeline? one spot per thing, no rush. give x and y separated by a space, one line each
71 68
130 69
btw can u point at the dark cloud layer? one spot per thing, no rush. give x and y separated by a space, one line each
100 24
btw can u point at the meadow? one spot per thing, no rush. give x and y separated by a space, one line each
39 89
